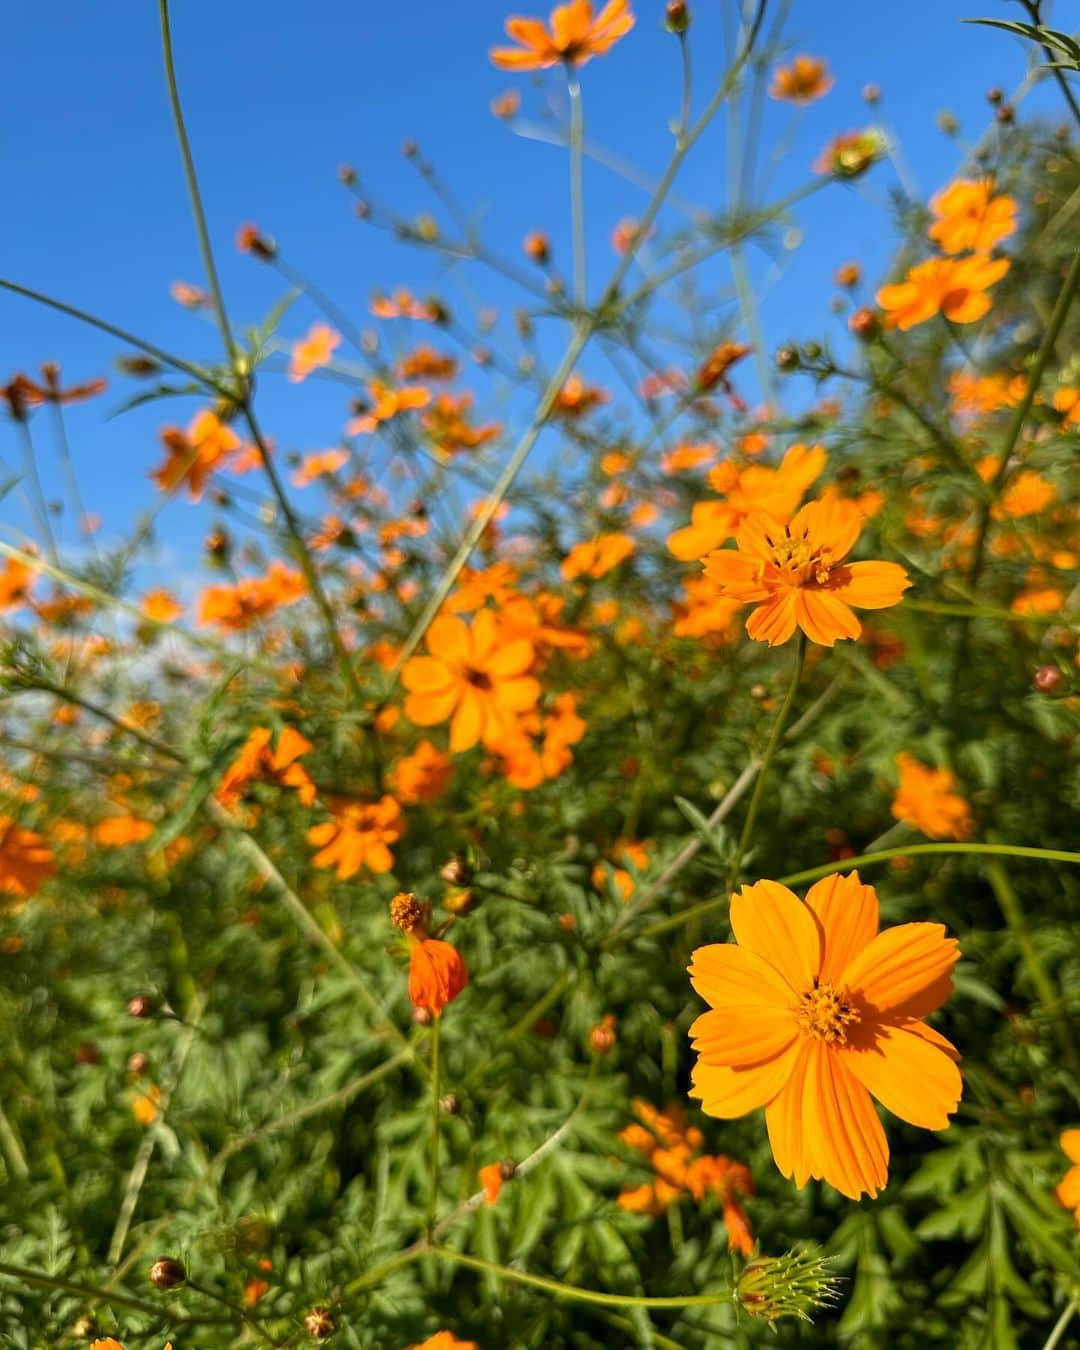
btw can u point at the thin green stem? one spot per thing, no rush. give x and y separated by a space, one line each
197 211
239 1314
687 89
1013 912
577 184
1062 1324
867 860
37 493
766 761
1023 408
44 1281
436 1108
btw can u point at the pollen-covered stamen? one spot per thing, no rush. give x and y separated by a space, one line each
800 559
825 1015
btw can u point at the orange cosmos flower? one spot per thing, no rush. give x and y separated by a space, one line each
313 351
161 605
955 287
191 297
756 489
852 153
26 861
358 836
812 1013
969 216
447 425
491 1179
702 613
401 305
797 575
425 363
445 1340
575 36
119 831
806 79
925 799
474 676
437 971
16 580
1066 401
318 465
421 776
1026 495
192 456
251 599
576 398
279 765
596 557
1068 1188
386 404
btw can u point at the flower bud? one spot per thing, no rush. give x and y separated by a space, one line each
865 324
347 175
250 240
1006 114
142 1005
459 902
167 1273
320 1324
456 871
677 16
793 1285
450 1104
787 358
871 93
141 366
995 95
87 1053
602 1037
1048 679
537 247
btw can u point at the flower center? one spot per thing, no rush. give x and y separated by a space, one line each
800 560
825 1015
479 679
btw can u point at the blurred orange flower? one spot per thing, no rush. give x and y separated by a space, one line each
26 861
421 776
358 836
955 287
192 456
314 350
574 38
925 799
318 465
279 765
1068 1188
16 579
252 598
596 557
807 78
970 217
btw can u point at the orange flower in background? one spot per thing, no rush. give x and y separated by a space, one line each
251 599
161 605
806 79
386 404
359 835
702 613
685 457
146 1106
318 465
812 1013
576 36
445 1340
634 852
1026 495
852 153
313 351
437 971
1068 1188
925 799
16 579
774 492
257 760
119 831
447 425
473 676
955 287
596 557
1066 401
402 304
425 363
797 576
421 776
970 217
26 861
576 398
491 1179
192 456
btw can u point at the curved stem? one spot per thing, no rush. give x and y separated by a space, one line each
577 184
433 1166
1062 1324
44 1281
770 751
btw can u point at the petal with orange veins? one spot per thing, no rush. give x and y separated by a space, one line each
449 639
468 721
869 585
775 620
824 618
426 674
432 706
773 923
909 1076
824 1125
739 1037
727 1093
513 658
730 977
906 971
848 913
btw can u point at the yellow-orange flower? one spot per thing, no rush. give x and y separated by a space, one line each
359 835
812 1013
252 598
15 582
474 677
421 776
1026 495
26 861
576 36
437 974
806 79
1068 1188
596 557
318 465
445 1340
314 350
955 287
491 1179
797 576
119 831
279 764
970 217
161 605
193 455
925 799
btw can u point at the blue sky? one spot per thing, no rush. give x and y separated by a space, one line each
278 95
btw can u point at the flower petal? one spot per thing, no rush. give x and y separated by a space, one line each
848 913
738 1037
770 921
425 674
824 618
728 1093
448 638
906 971
910 1076
774 622
468 721
729 976
513 658
869 585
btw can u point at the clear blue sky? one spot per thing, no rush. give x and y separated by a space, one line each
278 95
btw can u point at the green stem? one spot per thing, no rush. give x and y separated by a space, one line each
1016 426
1062 1324
197 211
433 1170
37 492
770 751
574 1292
577 185
39 1278
1013 911
866 860
239 1314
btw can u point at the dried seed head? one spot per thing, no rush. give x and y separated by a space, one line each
406 912
320 1324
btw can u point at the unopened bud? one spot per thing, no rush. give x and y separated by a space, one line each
865 324
793 1285
450 1104
459 902
787 358
995 95
347 175
871 93
1006 114
142 1005
602 1037
1048 679
677 16
456 871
